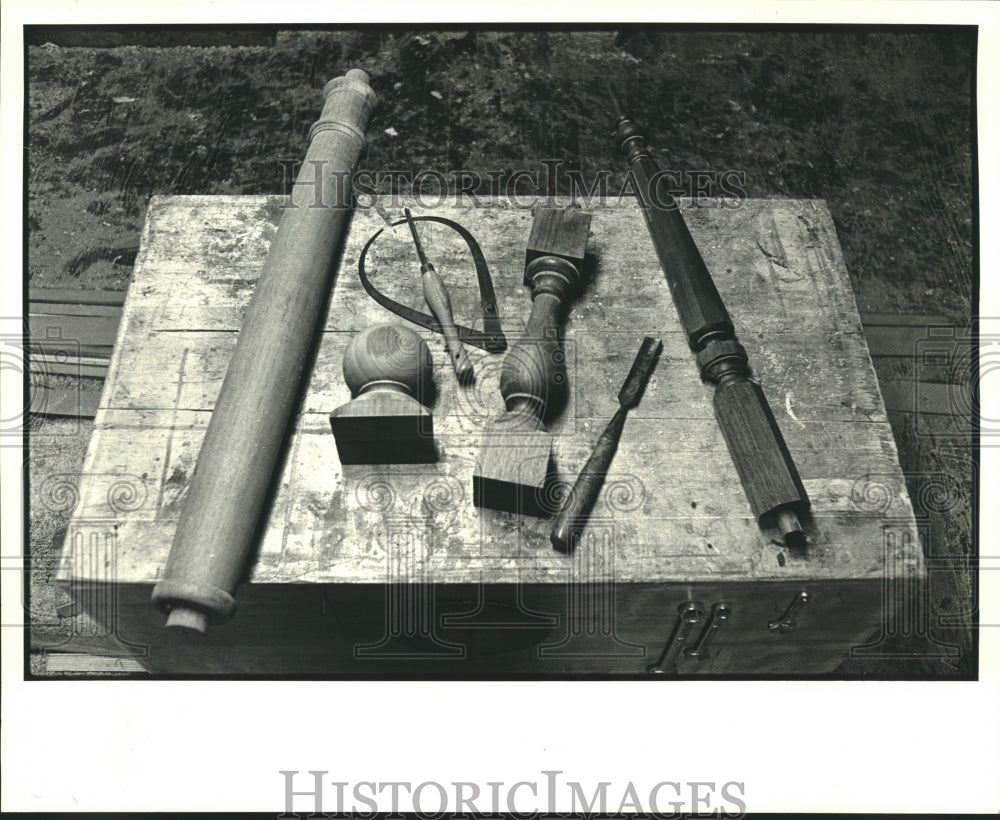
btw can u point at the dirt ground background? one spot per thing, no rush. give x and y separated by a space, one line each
877 123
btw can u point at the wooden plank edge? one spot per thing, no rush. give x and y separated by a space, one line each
71 368
905 319
73 296
924 398
48 310
49 401
73 330
84 354
905 342
43 357
92 664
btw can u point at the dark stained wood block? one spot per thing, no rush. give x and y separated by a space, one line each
514 468
384 428
344 546
558 232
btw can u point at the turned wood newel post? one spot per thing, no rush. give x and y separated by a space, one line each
389 371
256 407
513 466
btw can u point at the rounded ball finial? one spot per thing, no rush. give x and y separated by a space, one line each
390 354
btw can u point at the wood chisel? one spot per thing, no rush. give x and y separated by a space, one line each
588 484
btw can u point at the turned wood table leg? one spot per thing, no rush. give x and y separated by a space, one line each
513 468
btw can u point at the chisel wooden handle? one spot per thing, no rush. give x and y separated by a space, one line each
588 484
436 296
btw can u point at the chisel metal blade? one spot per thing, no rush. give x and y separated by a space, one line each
638 376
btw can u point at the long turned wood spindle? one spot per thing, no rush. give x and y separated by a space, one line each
513 466
253 414
766 470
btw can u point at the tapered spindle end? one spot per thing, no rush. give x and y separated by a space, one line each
561 535
182 617
791 530
564 536
464 371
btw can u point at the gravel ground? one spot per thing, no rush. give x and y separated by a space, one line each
876 124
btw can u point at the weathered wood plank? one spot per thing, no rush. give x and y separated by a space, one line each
68 365
74 352
74 296
917 320
924 398
897 341
673 511
346 628
195 364
80 330
47 401
64 309
82 664
197 300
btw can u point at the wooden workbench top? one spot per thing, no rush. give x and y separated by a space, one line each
672 507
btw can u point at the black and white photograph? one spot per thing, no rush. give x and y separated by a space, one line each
445 358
